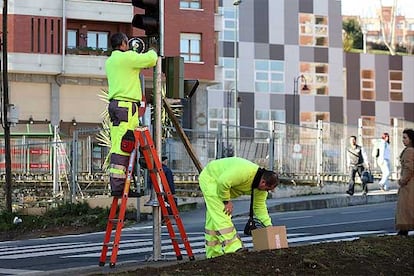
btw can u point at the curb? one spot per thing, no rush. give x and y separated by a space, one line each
332 202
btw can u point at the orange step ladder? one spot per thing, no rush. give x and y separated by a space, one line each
144 141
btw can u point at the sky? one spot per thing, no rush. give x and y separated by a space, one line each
366 8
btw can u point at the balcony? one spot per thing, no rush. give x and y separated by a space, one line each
98 10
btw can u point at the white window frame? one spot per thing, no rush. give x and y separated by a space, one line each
98 40
72 39
314 79
190 4
266 76
313 30
192 42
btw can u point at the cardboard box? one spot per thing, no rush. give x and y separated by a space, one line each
273 237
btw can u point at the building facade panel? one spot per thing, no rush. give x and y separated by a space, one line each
245 65
261 21
82 99
336 109
353 77
381 71
408 84
20 92
277 24
291 22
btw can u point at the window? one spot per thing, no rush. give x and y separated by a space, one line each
308 121
313 30
72 41
316 78
190 47
396 81
226 117
229 25
98 40
367 85
228 69
190 4
269 76
368 129
264 119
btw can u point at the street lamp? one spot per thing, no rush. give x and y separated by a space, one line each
295 93
236 4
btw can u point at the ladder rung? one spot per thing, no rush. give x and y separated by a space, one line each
114 220
109 244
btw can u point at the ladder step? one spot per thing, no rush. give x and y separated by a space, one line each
114 220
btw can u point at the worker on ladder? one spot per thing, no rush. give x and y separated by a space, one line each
123 68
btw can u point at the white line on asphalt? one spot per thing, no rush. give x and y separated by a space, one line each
356 212
291 218
340 223
5 271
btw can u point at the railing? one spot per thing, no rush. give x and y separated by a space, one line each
313 154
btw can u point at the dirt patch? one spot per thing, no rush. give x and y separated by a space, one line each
388 255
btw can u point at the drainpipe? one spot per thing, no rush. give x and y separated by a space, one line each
63 35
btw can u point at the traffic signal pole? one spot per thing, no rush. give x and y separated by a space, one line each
156 211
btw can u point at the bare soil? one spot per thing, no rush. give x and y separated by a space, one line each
384 255
387 255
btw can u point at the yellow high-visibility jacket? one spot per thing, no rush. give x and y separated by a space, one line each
231 177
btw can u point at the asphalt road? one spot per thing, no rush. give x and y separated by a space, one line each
303 227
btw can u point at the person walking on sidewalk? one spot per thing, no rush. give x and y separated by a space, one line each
404 218
223 180
124 95
357 163
383 160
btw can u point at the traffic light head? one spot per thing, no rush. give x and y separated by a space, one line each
149 22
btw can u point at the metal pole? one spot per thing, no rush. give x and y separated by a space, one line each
295 91
236 92
319 154
228 120
158 135
395 153
5 122
272 145
74 164
55 163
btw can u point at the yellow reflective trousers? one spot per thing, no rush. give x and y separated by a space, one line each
124 117
220 234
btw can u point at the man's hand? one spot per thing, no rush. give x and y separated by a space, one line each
228 208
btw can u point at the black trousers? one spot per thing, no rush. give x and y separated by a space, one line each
352 173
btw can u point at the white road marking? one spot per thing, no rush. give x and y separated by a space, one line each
5 271
341 223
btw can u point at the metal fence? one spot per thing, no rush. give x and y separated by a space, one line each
47 168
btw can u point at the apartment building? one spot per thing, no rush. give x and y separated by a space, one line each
280 46
57 52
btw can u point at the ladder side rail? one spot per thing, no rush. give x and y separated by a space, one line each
108 232
154 167
122 209
170 198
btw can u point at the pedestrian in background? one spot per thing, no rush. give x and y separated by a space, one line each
170 179
404 218
383 160
225 179
357 162
124 95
